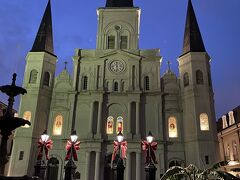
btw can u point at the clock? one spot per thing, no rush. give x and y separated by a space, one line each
116 66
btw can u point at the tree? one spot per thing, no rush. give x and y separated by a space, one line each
193 173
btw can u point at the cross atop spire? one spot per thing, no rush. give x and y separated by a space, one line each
44 38
119 3
65 65
192 38
169 65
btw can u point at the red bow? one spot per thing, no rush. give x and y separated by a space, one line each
123 147
46 146
74 147
151 154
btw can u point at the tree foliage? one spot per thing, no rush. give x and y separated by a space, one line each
193 173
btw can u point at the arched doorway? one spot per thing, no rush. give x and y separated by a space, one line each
52 171
108 173
175 162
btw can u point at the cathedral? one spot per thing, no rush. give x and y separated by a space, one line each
117 87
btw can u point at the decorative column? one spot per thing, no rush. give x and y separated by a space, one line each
91 119
137 119
98 166
88 170
128 167
99 122
129 119
138 166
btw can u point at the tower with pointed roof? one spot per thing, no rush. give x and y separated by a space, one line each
197 96
117 87
35 106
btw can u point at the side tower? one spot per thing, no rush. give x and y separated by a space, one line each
38 80
199 124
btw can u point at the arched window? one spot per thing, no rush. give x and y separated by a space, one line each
85 83
115 86
204 123
185 79
33 76
172 127
46 79
123 42
231 118
110 124
199 77
119 124
174 163
111 42
57 127
146 83
52 168
27 115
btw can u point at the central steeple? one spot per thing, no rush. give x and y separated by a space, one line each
119 3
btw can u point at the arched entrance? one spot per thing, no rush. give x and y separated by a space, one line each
108 173
52 170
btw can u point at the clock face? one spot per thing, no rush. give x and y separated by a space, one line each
116 66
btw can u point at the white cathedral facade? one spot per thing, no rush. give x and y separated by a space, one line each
117 86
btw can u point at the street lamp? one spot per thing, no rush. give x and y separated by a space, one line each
150 146
44 144
120 147
72 147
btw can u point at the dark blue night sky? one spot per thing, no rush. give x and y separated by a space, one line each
162 26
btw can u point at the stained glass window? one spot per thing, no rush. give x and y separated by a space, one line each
27 115
110 124
204 124
172 127
57 127
119 124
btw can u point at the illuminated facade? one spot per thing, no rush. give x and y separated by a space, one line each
228 127
118 87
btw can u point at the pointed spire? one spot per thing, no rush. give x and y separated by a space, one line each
119 3
44 39
192 38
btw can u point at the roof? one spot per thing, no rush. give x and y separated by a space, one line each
236 114
119 3
192 37
44 38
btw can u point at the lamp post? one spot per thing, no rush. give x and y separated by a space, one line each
40 167
150 168
118 167
71 147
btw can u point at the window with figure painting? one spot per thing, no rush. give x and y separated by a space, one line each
119 127
172 127
27 115
204 123
110 124
57 127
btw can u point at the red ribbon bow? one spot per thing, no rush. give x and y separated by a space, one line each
151 154
46 146
123 147
74 147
